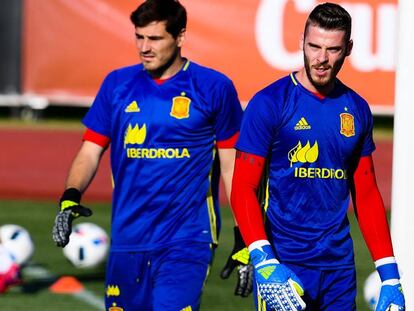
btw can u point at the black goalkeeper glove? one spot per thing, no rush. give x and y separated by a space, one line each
69 210
239 258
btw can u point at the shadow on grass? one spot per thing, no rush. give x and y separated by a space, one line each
37 277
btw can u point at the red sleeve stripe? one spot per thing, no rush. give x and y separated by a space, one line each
228 143
96 138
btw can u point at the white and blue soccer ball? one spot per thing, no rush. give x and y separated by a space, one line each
88 245
372 288
18 242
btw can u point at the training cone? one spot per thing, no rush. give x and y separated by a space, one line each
66 285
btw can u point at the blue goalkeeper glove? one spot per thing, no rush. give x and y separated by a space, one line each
70 209
391 296
239 258
276 284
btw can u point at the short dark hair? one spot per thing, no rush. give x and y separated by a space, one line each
330 16
170 11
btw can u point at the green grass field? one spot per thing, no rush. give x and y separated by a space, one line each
34 295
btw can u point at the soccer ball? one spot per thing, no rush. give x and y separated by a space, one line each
372 288
18 242
88 245
9 270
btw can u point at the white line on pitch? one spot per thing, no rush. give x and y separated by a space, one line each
84 295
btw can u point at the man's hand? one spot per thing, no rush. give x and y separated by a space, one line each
239 258
278 286
69 210
391 296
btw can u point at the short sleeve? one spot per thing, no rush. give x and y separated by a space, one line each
227 111
258 126
368 145
98 117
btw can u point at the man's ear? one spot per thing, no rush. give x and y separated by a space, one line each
181 37
349 47
301 42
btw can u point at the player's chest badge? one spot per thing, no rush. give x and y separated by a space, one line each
180 108
347 124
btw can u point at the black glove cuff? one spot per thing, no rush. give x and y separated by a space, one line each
238 240
71 194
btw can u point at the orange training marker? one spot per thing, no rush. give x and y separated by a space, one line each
66 285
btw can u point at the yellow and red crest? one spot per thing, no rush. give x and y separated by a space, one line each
180 108
347 124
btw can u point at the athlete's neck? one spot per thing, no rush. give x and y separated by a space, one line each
171 68
320 91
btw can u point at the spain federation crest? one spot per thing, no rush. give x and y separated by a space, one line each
347 124
180 108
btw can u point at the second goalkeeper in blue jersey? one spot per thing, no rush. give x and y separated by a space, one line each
163 148
171 125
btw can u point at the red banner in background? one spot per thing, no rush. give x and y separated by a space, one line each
70 46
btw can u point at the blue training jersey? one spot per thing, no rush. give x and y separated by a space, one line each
312 146
163 152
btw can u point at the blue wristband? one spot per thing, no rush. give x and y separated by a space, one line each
261 254
388 271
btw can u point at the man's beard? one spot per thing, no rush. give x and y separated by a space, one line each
158 72
326 84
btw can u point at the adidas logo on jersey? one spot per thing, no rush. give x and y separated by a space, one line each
132 107
302 125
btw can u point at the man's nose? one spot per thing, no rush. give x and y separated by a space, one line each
145 46
323 56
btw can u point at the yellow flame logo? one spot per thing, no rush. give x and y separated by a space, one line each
112 290
135 135
304 154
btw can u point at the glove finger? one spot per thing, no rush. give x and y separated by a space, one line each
394 307
249 285
55 235
62 228
286 299
239 287
297 284
63 236
241 281
294 296
245 281
275 302
228 268
269 293
81 210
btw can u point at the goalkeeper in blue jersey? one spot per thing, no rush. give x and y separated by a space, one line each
316 135
171 125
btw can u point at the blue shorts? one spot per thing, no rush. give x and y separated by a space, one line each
325 290
167 279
